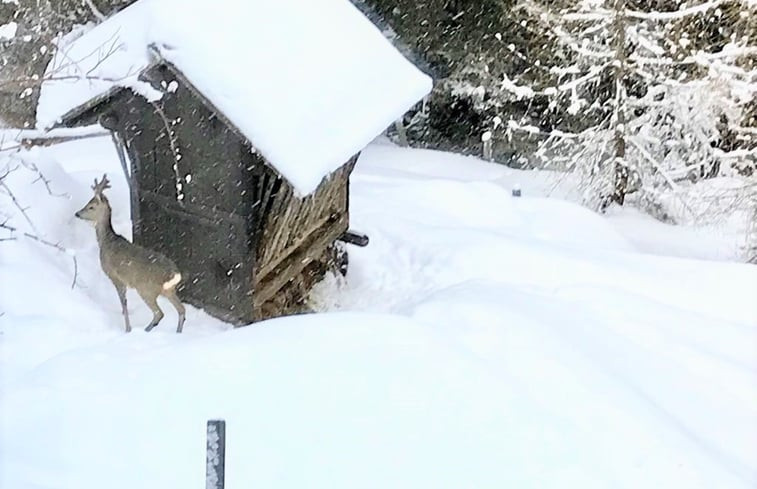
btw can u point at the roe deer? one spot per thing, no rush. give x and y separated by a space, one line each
129 265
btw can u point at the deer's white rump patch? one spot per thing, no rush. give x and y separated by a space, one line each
173 282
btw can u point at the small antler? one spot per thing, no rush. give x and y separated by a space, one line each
101 186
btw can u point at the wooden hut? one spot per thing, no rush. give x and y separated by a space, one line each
239 171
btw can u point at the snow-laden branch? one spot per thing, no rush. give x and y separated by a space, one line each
525 128
555 133
594 72
744 130
592 30
644 41
95 11
678 14
553 21
660 171
601 14
597 15
579 45
526 92
728 52
660 61
518 90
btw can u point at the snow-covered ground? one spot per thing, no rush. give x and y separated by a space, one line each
479 341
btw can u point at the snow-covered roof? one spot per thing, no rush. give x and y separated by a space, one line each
308 82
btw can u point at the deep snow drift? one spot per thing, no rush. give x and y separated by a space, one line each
479 341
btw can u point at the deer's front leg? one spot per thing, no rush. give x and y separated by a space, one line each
121 289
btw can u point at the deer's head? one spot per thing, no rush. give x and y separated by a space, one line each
98 208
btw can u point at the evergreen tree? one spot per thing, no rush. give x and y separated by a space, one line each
640 100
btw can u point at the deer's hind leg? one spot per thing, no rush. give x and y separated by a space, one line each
151 299
170 294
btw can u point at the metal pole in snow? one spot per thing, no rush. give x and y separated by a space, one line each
215 455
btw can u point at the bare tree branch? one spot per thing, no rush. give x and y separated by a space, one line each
60 72
35 235
174 149
45 242
18 205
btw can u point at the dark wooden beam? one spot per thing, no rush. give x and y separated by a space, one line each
355 238
295 262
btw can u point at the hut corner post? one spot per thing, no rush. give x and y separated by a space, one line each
215 454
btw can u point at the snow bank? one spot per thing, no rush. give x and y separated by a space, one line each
309 83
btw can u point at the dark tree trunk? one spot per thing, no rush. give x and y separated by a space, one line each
620 167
